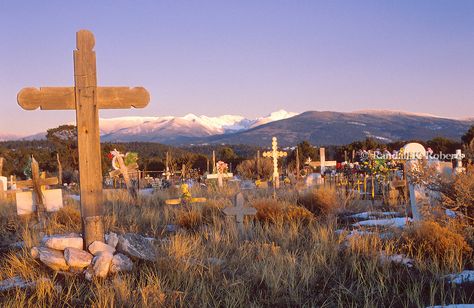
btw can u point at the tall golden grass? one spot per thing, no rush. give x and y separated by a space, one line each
292 258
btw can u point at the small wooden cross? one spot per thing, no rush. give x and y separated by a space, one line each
37 183
239 210
125 171
275 154
86 98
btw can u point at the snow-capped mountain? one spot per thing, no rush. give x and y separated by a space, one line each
318 127
6 136
180 129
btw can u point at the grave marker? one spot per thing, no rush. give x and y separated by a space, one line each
186 197
275 154
322 163
27 202
86 98
412 152
125 170
239 210
459 168
60 170
297 164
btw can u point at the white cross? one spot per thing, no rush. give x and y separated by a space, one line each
275 154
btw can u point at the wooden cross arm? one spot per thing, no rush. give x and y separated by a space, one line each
63 98
282 154
232 211
267 154
29 183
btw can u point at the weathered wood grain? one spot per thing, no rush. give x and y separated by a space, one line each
63 98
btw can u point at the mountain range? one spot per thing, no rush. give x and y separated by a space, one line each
318 127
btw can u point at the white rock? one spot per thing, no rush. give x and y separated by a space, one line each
215 261
466 276
19 283
14 283
121 263
53 259
97 247
35 253
77 258
60 242
111 239
89 273
102 264
137 246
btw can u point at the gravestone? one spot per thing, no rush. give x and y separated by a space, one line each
239 210
86 98
412 152
275 154
26 204
35 200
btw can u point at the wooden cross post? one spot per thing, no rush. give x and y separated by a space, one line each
1 182
125 171
322 159
167 167
37 183
214 162
275 154
239 210
258 164
60 170
86 98
297 164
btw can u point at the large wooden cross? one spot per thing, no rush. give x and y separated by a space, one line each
275 154
86 98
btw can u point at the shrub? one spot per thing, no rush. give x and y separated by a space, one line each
430 241
321 200
269 210
189 218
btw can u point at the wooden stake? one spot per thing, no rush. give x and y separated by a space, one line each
60 170
297 163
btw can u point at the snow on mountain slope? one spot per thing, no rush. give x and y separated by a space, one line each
162 129
274 116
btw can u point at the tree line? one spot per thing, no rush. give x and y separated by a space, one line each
152 156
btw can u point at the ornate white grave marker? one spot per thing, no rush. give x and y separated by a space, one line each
275 154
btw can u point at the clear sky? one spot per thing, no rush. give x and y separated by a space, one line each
245 57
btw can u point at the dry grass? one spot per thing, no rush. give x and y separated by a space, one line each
323 200
428 240
291 259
